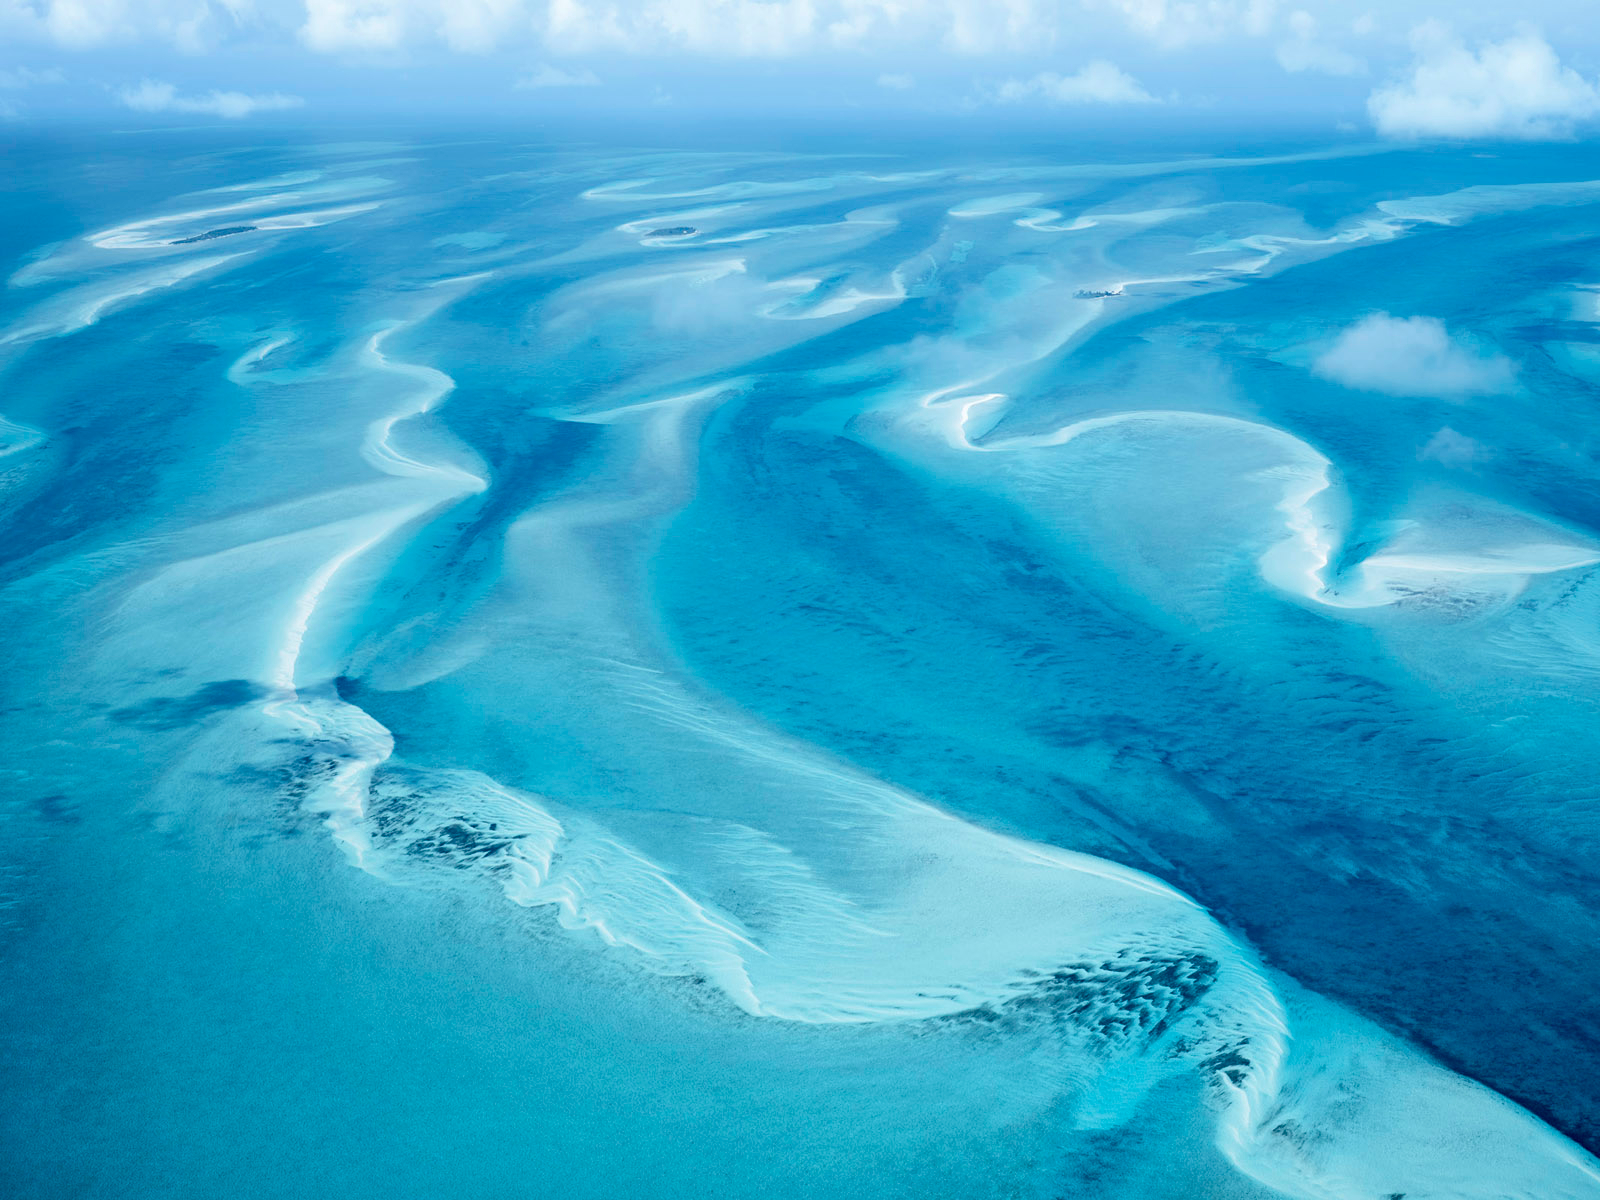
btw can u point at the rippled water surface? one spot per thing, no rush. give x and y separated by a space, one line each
571 670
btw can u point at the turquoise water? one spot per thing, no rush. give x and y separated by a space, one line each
853 671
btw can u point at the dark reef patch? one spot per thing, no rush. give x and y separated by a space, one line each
213 234
174 712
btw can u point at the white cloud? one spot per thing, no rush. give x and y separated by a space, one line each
1174 23
77 24
1304 51
746 28
480 26
779 28
17 78
1511 89
333 25
154 96
1412 356
546 76
978 26
1454 449
896 83
192 26
1100 82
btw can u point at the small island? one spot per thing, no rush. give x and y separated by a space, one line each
673 231
209 234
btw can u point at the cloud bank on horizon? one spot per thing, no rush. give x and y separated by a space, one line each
1412 68
151 96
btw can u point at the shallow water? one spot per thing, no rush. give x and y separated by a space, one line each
692 672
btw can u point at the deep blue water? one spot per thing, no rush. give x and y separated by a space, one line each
905 670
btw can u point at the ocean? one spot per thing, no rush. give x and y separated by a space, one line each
612 666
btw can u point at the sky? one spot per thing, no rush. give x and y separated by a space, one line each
1402 69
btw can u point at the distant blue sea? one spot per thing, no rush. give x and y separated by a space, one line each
939 669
